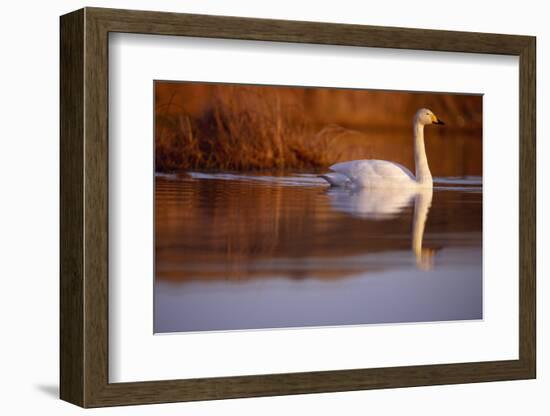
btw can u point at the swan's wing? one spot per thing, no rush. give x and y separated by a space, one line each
373 173
373 167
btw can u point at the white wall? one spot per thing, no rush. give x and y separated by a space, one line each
29 209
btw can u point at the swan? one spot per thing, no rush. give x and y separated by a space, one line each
384 174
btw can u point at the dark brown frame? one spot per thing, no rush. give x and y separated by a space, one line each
84 207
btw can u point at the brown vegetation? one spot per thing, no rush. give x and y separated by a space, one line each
201 126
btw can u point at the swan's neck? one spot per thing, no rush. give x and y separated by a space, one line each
423 174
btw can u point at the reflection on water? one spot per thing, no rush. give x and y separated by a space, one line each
258 251
379 204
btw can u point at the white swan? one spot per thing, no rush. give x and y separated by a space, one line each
384 174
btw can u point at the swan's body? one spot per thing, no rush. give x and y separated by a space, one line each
370 174
384 174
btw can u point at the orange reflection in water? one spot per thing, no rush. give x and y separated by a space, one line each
207 227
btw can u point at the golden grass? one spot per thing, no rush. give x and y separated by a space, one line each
244 130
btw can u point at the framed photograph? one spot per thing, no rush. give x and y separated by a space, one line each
255 207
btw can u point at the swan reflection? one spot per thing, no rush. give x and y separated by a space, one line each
383 204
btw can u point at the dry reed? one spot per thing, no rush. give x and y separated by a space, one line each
245 129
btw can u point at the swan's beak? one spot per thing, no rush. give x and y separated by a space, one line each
438 121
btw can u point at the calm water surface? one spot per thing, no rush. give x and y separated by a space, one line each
257 251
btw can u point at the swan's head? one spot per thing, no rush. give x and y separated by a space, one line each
426 116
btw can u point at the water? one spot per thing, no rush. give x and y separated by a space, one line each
264 251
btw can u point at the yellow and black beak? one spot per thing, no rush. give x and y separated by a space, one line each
438 121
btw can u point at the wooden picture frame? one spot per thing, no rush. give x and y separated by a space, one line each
84 207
